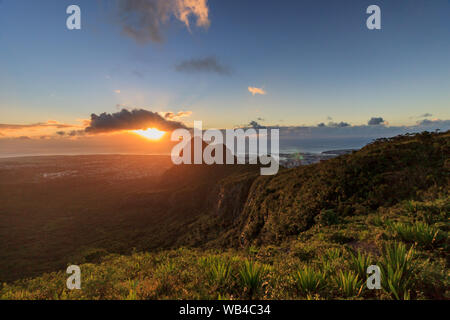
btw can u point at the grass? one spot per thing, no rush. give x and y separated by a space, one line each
274 272
348 283
252 276
308 280
359 262
419 233
218 270
397 270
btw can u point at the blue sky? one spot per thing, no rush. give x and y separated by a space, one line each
316 61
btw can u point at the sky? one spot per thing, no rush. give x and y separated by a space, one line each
303 63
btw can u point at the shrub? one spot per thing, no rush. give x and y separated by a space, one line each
327 218
397 270
333 254
420 233
308 280
376 220
217 271
359 263
252 275
349 283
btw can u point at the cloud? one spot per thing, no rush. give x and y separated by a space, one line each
254 90
338 124
255 125
174 116
205 65
143 19
117 91
48 124
374 121
434 122
130 120
425 115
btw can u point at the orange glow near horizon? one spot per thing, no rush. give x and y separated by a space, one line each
151 133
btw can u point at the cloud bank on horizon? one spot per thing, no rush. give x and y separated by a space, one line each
141 119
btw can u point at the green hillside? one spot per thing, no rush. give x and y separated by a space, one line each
306 233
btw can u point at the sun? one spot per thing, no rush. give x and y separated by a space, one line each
151 133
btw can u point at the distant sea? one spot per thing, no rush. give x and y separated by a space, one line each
318 145
287 146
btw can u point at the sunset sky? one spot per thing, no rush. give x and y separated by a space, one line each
225 62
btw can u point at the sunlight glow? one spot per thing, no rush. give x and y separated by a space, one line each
152 133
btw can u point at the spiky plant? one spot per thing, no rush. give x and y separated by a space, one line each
397 270
348 283
420 233
252 276
309 280
219 272
359 262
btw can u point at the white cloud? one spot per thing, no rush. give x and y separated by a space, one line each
254 91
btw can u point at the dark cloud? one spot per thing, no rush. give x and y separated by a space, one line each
334 124
60 133
255 125
437 122
338 124
205 65
130 120
426 115
374 121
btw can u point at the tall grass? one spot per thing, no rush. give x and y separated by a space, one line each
218 270
349 283
308 280
252 276
359 262
419 233
397 270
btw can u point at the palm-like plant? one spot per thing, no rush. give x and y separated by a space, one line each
359 262
252 276
397 270
308 280
349 283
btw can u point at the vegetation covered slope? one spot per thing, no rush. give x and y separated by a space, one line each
381 174
309 232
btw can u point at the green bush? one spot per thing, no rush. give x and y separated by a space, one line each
359 262
327 218
252 276
308 280
397 270
420 233
348 283
218 270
